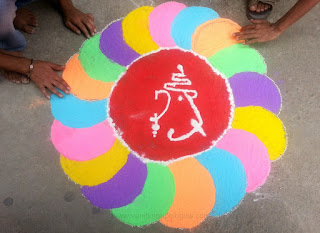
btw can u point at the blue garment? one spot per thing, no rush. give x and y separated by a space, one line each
22 3
10 38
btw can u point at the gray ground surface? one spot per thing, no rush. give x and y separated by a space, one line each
37 197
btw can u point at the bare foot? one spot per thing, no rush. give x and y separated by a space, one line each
15 77
260 7
25 20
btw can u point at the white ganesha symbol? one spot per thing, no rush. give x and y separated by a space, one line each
179 81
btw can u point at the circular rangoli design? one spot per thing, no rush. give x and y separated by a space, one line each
169 119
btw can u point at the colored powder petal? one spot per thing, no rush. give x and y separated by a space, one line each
214 35
229 179
160 20
238 58
265 125
82 144
186 22
121 189
136 30
194 196
76 113
96 64
252 153
82 85
155 200
97 170
255 89
114 47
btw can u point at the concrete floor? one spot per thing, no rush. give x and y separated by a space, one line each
37 197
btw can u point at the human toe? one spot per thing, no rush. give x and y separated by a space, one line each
259 7
33 22
28 29
266 6
25 79
263 7
253 7
15 78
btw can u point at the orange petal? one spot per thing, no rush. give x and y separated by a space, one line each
194 196
82 85
214 35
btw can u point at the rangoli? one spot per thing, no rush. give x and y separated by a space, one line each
169 119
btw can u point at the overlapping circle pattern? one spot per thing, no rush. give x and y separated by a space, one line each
179 193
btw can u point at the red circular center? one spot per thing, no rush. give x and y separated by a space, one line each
170 104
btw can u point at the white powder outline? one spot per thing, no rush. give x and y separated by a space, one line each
118 133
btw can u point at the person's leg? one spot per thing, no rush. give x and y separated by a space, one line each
10 38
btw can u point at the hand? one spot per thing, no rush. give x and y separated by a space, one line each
79 22
44 76
259 31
